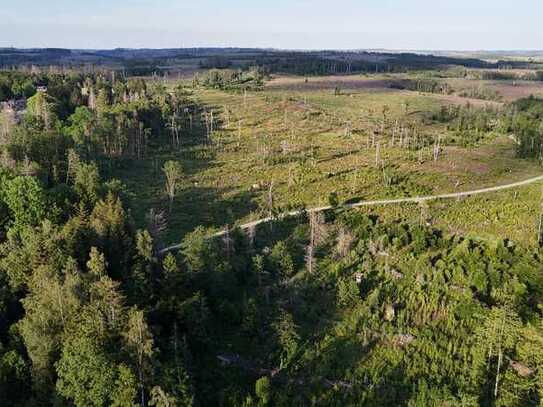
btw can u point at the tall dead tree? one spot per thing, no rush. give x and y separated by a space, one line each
228 242
270 200
227 116
211 123
423 206
540 228
174 130
7 120
173 173
316 234
437 147
384 123
205 119
239 132
348 130
251 236
269 204
344 242
378 154
310 249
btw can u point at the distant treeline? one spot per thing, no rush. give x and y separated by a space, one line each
507 75
423 85
295 62
444 88
347 63
337 63
141 68
234 80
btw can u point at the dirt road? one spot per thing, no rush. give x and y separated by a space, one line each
418 199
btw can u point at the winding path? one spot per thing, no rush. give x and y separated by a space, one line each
417 199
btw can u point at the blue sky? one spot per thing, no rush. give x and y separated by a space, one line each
293 24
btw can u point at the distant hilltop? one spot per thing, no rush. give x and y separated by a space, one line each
147 61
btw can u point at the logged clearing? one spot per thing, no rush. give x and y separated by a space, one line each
303 142
351 82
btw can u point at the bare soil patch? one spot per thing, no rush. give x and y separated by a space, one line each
327 83
513 91
459 100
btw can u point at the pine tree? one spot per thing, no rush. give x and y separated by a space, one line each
139 343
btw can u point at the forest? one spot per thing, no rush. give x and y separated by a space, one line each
335 308
324 62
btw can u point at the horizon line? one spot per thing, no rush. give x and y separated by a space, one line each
277 49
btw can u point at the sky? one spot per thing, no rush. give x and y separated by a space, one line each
285 24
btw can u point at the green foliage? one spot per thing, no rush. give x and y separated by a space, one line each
282 260
85 374
87 183
424 85
15 84
348 292
287 336
125 391
197 250
231 80
333 199
159 398
524 121
42 107
26 201
263 391
14 376
109 222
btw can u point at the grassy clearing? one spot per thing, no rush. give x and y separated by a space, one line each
509 214
310 143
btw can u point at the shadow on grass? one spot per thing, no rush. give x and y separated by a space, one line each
208 207
194 205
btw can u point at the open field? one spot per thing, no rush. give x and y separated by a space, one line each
303 142
509 90
351 84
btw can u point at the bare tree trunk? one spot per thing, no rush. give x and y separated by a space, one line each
227 242
540 229
227 114
211 125
500 357
270 199
239 133
251 235
311 247
437 148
